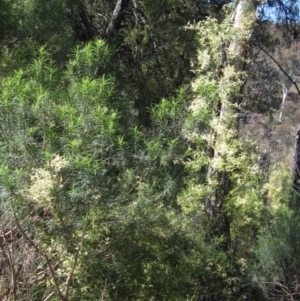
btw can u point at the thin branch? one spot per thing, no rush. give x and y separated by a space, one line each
11 263
60 294
70 276
49 296
279 66
103 292
295 189
74 266
44 275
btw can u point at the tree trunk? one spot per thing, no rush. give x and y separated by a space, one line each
225 150
296 161
115 21
243 20
286 87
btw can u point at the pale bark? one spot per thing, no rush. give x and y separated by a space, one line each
296 161
242 23
243 20
115 21
285 88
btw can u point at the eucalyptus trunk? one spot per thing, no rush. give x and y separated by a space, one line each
225 148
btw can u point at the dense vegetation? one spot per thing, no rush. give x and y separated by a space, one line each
141 157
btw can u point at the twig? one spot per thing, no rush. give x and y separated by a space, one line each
73 267
103 292
279 66
49 296
60 294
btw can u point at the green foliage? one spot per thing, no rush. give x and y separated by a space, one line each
58 131
91 193
277 251
109 159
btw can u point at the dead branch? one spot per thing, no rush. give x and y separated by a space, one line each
279 66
